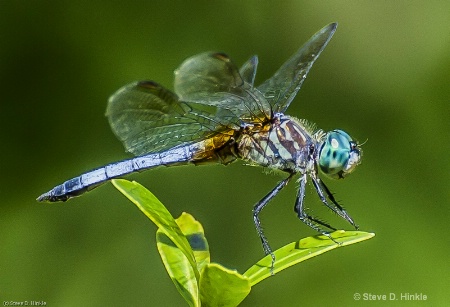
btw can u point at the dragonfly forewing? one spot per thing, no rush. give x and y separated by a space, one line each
282 87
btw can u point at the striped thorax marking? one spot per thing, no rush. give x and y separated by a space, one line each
282 144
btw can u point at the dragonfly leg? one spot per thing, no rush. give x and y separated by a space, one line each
312 222
258 208
335 207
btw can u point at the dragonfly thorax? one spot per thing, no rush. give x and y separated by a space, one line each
285 143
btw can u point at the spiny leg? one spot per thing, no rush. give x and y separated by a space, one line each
335 207
304 217
333 200
258 208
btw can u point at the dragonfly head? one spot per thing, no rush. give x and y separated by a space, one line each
339 154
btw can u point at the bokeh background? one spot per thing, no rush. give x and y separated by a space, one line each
383 78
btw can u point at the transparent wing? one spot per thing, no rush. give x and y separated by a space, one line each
248 70
213 97
148 118
282 87
213 79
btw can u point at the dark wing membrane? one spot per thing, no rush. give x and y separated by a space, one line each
282 87
148 118
212 79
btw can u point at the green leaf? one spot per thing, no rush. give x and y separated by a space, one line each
222 287
179 269
158 214
193 231
302 250
176 263
185 252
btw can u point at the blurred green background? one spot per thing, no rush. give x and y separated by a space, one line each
384 77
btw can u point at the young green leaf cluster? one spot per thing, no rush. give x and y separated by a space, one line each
185 253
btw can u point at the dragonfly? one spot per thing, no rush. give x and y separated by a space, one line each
216 115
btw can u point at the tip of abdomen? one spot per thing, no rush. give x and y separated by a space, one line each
53 195
49 197
43 197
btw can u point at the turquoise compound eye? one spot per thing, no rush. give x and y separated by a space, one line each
339 154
